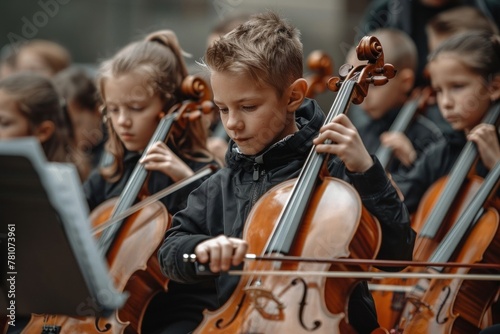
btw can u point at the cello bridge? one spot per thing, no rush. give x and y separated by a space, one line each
51 329
419 304
263 300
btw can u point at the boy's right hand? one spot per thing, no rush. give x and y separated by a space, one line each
221 252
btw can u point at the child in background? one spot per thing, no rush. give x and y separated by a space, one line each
256 76
383 104
138 86
82 101
455 20
411 16
42 56
444 25
30 106
465 73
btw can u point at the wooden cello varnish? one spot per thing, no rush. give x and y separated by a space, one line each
437 213
457 305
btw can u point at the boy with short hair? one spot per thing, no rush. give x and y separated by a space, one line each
256 77
383 105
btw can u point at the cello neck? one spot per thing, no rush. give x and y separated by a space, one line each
468 218
134 183
413 106
400 124
458 174
293 213
352 85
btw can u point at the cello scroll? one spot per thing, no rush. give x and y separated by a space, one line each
375 72
321 64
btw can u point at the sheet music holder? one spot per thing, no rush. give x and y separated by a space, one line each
57 267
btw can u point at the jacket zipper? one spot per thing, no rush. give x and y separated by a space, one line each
258 177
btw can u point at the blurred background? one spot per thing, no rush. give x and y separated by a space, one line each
93 30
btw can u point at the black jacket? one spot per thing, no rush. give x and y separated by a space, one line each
97 190
437 162
222 203
421 132
169 312
411 17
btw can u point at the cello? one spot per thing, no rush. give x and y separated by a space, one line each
135 272
321 64
291 219
458 306
406 115
438 211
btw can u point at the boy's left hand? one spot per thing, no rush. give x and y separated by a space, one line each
345 143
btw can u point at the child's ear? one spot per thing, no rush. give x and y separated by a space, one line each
298 90
495 88
406 79
44 131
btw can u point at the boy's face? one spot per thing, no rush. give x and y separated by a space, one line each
252 115
462 95
381 99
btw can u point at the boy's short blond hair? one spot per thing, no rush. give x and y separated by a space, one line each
265 47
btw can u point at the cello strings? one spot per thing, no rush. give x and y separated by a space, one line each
368 275
281 228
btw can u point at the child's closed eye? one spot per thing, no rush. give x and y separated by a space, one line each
249 108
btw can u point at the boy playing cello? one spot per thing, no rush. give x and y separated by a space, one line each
256 76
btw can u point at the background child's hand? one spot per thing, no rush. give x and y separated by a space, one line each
221 252
218 147
486 139
401 146
161 158
346 144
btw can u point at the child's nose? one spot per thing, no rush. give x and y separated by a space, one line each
446 99
233 121
123 119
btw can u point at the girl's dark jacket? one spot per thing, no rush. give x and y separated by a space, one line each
434 163
97 189
175 307
221 204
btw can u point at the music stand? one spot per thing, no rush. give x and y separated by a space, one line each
57 268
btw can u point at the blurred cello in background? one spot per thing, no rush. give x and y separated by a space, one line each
457 305
413 107
439 209
321 66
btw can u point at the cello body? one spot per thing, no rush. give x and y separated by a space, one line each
392 302
461 305
458 306
439 210
299 303
130 269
